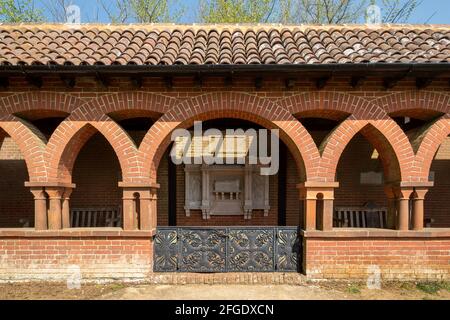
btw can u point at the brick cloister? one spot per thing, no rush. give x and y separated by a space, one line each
330 132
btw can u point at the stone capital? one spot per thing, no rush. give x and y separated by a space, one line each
55 192
310 190
420 193
34 184
403 193
38 193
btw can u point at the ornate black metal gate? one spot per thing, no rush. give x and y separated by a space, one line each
227 249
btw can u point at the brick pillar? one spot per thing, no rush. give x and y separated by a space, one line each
55 207
392 207
147 204
129 212
148 209
308 195
403 197
327 219
40 208
66 208
418 211
310 214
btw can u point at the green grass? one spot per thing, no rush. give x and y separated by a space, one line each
354 289
433 287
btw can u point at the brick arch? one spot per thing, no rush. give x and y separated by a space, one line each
229 104
425 100
385 135
132 100
71 135
31 143
431 142
39 100
359 107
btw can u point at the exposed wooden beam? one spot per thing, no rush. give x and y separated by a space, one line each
228 81
198 81
322 82
422 83
258 83
389 83
289 83
4 82
168 81
104 81
136 82
70 82
357 81
35 81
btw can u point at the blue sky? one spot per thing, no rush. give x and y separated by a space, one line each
438 10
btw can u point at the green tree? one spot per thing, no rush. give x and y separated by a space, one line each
237 11
142 11
331 11
15 11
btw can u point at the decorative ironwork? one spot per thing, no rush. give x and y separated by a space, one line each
250 250
202 250
232 249
287 252
166 250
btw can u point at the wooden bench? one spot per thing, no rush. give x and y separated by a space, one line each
368 216
95 217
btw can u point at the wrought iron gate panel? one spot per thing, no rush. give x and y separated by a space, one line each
166 250
287 253
227 249
202 250
250 250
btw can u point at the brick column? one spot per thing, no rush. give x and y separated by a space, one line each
148 209
128 211
147 204
392 207
403 196
308 194
40 208
55 207
418 211
66 208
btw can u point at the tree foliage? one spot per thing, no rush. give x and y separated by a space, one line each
14 11
236 11
215 11
142 11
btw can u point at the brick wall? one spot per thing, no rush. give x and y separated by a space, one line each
105 258
395 258
96 174
16 202
436 201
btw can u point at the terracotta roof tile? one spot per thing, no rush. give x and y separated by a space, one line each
158 44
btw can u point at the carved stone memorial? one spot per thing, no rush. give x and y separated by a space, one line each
226 190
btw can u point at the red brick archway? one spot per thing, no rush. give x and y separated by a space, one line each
31 143
424 100
365 117
430 144
39 100
358 107
73 133
235 105
385 135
